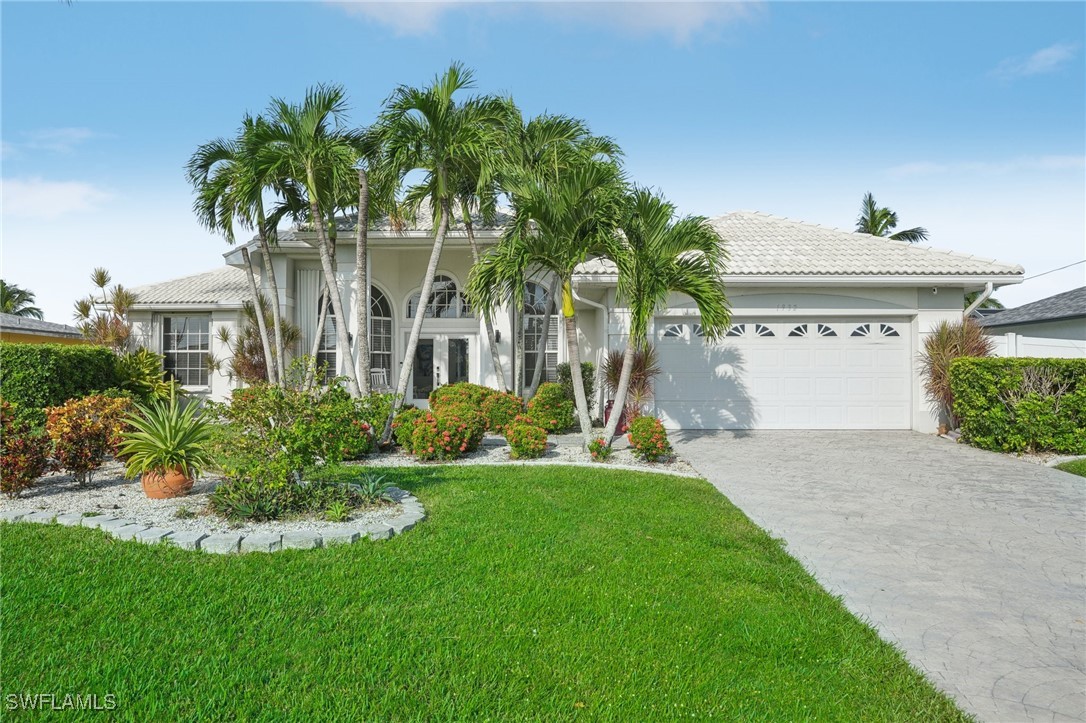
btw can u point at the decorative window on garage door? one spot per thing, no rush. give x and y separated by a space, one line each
674 331
875 330
749 330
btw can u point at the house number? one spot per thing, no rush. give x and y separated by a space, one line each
787 307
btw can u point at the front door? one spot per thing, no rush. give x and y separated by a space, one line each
439 359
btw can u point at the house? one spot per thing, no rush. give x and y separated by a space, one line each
1050 327
827 323
24 330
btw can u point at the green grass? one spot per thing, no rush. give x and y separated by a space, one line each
530 593
1075 466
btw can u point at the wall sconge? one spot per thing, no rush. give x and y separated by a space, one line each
497 336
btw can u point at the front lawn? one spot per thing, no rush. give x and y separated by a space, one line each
530 593
1075 466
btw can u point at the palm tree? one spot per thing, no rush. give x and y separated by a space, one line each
658 254
427 130
18 301
990 303
308 144
878 221
561 221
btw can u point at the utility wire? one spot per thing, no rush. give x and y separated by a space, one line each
1076 263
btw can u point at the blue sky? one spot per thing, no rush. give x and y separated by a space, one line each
966 118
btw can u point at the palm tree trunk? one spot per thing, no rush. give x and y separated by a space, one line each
540 359
343 343
495 357
619 406
362 282
420 315
269 360
311 367
518 352
574 354
277 319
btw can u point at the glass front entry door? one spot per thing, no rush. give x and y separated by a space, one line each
439 360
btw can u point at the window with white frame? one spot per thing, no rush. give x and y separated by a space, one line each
535 309
326 351
186 342
380 331
445 302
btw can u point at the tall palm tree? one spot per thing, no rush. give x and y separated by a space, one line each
881 221
561 221
18 301
427 130
657 254
990 303
309 144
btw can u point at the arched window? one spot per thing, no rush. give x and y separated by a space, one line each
535 309
380 331
326 352
445 302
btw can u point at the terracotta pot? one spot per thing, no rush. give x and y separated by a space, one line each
167 484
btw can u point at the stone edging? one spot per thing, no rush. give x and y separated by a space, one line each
227 543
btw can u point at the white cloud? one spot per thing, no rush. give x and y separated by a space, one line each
1024 163
38 198
54 140
678 19
1045 60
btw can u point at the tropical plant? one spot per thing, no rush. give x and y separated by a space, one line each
600 450
102 316
18 301
24 452
164 436
657 254
448 433
373 488
85 431
427 130
403 426
645 368
946 342
878 221
248 362
648 440
990 303
500 408
526 441
338 511
141 374
551 409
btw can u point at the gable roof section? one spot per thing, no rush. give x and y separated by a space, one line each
1068 305
760 244
224 286
26 325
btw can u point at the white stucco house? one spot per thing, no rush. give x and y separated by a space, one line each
826 323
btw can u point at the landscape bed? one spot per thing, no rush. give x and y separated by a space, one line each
548 592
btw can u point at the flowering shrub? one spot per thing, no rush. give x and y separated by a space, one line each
86 431
403 426
448 433
526 441
550 408
500 409
600 450
348 424
467 393
24 453
648 440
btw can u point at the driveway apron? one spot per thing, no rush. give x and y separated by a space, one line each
973 563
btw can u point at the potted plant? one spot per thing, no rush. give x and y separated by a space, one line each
167 447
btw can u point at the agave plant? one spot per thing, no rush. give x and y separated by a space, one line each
166 436
947 342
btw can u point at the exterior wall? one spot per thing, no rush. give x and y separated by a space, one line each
1074 329
15 337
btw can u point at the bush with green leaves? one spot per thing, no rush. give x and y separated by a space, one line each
1021 405
451 432
588 380
403 426
473 395
141 374
500 408
36 376
86 431
526 441
255 501
24 452
551 408
600 450
648 440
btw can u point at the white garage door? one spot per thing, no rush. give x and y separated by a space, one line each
800 374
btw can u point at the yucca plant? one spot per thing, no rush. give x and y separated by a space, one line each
947 342
165 437
646 366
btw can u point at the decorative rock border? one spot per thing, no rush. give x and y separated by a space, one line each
410 515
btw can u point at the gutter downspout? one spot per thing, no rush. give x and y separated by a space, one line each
603 339
989 288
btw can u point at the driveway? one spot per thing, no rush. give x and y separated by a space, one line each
972 562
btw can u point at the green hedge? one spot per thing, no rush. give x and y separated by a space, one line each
1021 405
45 375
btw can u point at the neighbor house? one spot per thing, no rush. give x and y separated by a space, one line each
826 328
1051 327
25 330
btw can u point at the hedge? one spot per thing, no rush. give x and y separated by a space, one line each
46 375
1021 405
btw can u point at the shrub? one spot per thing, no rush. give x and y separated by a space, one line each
526 441
645 368
345 423
500 408
448 433
588 380
1021 405
24 452
256 501
48 375
600 450
648 440
551 409
942 346
403 426
467 393
141 374
85 431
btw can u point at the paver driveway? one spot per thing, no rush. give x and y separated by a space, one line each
972 562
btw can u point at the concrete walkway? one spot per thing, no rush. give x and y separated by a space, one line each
972 562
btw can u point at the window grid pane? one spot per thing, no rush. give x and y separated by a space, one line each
186 341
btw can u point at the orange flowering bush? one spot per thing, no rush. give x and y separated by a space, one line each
447 433
86 431
403 426
24 453
501 408
460 393
551 409
526 441
600 450
648 440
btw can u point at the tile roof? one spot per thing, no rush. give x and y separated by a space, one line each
225 285
760 244
424 221
26 325
1068 305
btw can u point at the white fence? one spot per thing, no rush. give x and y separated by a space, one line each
1031 346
